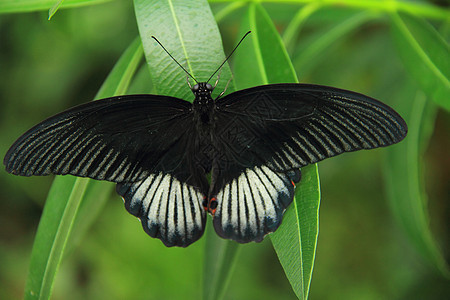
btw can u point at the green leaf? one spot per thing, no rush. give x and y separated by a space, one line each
219 263
98 192
296 239
310 54
419 8
187 29
264 60
54 8
294 27
54 228
405 185
120 76
15 6
425 55
228 10
64 200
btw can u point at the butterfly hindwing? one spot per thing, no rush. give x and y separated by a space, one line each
169 209
116 139
252 204
289 126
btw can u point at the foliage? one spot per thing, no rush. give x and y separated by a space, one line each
395 51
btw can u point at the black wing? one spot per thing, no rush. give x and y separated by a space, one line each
118 139
264 134
145 143
288 126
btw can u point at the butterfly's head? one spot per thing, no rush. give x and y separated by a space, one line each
202 90
203 102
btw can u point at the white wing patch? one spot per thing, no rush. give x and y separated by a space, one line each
252 205
168 208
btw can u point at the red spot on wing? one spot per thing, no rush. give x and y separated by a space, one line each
212 206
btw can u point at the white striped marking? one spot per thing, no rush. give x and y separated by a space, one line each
249 200
172 205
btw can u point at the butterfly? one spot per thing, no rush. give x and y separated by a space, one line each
236 157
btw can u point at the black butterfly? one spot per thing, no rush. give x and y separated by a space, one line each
160 149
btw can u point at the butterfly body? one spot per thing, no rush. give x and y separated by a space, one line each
203 105
203 108
161 149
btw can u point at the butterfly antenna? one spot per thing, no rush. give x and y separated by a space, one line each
229 55
175 59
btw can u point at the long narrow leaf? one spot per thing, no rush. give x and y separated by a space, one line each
425 55
98 192
263 61
311 54
15 6
299 262
55 225
120 76
198 48
61 209
228 10
294 27
419 8
220 260
405 185
54 8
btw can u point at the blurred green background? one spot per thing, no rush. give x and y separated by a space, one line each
47 66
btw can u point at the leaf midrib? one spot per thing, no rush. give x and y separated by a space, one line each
177 26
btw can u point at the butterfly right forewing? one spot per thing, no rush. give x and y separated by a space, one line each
287 126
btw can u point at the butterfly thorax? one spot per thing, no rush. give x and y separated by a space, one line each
203 105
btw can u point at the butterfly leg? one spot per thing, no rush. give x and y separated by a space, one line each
224 90
218 77
189 84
